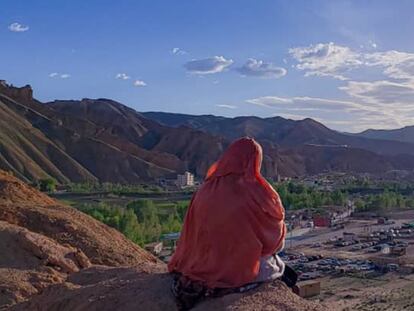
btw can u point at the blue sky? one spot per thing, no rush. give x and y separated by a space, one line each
348 64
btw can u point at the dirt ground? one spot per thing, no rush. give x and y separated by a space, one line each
389 292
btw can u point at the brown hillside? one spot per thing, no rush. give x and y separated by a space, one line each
90 140
28 152
43 241
15 191
174 148
26 207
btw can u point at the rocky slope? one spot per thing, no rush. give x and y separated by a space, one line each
28 152
92 140
53 257
108 289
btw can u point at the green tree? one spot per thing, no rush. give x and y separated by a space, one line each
147 215
338 198
131 228
47 185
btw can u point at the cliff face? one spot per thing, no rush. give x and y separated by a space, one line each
24 93
53 257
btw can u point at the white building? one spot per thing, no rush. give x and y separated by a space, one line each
185 180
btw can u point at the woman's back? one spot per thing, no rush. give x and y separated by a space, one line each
233 220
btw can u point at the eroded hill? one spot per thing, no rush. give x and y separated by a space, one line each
103 140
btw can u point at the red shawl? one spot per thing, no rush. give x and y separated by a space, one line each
235 218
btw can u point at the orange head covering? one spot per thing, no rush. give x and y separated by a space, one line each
233 220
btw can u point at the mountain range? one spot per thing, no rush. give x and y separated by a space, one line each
103 140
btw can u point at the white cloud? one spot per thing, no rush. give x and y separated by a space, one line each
258 68
395 64
59 75
122 76
329 59
178 51
210 65
139 83
326 59
305 103
17 27
227 106
349 115
387 102
381 92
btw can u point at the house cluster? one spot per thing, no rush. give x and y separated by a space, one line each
298 219
185 180
164 249
327 216
328 181
331 215
181 181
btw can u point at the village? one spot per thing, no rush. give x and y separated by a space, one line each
341 244
336 244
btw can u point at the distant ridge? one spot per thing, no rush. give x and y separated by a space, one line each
103 140
280 131
405 134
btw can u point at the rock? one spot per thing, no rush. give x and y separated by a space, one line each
107 289
30 262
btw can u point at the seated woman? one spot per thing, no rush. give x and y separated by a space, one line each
232 231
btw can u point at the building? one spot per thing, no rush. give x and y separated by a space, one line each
407 269
171 238
307 289
385 249
332 215
349 236
322 221
185 180
398 250
154 248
